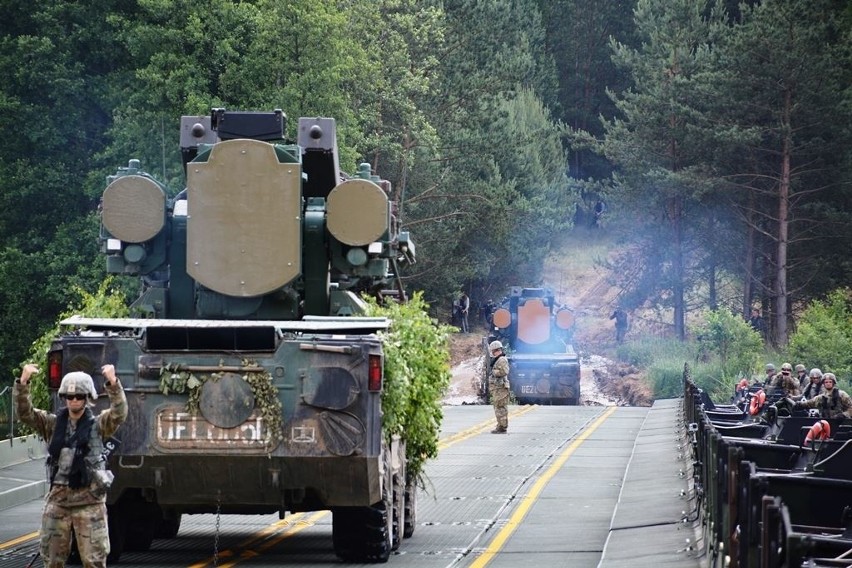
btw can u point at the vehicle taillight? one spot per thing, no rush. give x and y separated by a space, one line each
374 377
54 369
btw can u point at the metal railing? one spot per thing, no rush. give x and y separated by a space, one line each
7 414
758 510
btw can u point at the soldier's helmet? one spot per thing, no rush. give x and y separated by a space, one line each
829 377
494 345
786 368
78 382
800 368
815 373
770 367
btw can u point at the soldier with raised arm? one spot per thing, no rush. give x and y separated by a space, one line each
76 463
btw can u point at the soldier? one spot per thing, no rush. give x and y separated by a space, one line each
79 479
620 317
815 385
802 376
464 311
770 375
498 385
832 403
756 322
784 380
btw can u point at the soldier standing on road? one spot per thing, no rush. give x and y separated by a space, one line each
79 479
832 403
498 385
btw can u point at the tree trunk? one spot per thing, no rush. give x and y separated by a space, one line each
675 212
783 227
749 261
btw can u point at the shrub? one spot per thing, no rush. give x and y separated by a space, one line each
417 374
732 340
823 337
104 303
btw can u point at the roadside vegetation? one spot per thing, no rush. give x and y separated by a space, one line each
714 134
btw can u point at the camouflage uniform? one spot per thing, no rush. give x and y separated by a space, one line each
498 384
831 404
789 383
83 508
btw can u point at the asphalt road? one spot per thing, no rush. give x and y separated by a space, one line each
544 495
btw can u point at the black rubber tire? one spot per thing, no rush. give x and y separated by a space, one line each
117 534
364 534
398 513
169 526
139 534
360 534
410 516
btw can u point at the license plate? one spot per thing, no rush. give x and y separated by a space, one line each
178 429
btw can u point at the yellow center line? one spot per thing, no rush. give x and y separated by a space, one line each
481 427
530 498
269 536
18 540
272 535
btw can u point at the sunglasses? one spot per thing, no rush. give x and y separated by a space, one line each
74 396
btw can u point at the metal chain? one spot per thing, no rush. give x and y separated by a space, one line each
216 535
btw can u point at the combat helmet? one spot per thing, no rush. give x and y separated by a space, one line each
495 345
78 382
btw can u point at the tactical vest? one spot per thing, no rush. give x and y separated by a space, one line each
94 459
828 408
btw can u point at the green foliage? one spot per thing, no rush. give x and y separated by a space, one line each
730 338
174 378
823 337
663 360
104 303
416 376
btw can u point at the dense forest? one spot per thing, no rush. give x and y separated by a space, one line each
719 131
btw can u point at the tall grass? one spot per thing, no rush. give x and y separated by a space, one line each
664 360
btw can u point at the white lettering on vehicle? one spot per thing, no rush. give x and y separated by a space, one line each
178 429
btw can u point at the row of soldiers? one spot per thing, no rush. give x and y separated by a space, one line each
813 389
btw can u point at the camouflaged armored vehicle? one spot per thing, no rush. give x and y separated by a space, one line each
536 332
253 385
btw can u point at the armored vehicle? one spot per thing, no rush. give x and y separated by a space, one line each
253 384
536 332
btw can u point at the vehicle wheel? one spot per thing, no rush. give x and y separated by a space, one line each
117 533
398 516
410 506
169 526
140 519
364 534
139 534
360 534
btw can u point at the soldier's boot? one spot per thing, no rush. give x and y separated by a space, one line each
498 430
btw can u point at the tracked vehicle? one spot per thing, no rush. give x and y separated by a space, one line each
536 331
253 384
